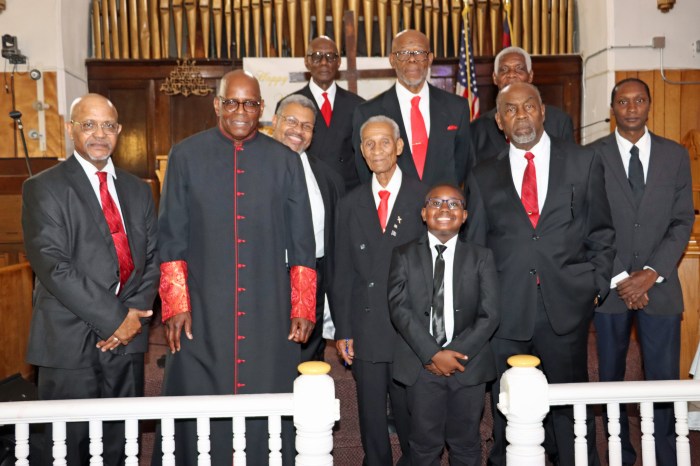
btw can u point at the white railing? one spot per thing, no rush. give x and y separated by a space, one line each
312 405
526 396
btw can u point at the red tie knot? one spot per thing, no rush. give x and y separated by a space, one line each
102 176
415 101
529 156
384 194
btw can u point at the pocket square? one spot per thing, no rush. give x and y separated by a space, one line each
452 128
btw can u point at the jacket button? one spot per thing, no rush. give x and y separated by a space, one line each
362 246
533 271
371 284
637 225
340 159
366 309
636 255
535 237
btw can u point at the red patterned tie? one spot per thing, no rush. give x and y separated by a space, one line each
529 191
116 227
326 109
383 208
419 137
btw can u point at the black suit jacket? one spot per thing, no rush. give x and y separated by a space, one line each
332 189
363 254
475 302
571 250
489 141
449 157
656 233
71 251
333 144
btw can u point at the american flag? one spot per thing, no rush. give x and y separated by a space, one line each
507 27
466 81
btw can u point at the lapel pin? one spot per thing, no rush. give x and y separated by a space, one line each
398 219
362 246
393 232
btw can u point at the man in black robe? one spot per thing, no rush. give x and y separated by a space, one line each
234 205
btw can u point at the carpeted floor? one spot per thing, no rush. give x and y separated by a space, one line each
347 447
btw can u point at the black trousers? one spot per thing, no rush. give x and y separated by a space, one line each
313 349
564 359
443 411
374 383
116 376
660 341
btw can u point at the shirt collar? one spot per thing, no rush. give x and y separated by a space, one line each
90 169
450 243
625 145
541 149
405 95
317 92
393 186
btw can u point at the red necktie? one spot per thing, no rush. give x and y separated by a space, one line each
383 208
116 227
419 137
529 191
326 109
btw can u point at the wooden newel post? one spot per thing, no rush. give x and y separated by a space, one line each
524 402
315 413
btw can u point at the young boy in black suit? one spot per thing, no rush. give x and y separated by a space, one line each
443 296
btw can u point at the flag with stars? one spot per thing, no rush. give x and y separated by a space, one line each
466 79
507 26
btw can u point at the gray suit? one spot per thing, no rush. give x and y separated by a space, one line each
653 234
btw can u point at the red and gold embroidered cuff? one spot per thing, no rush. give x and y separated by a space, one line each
174 293
303 281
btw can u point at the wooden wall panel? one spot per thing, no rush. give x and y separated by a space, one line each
16 301
25 90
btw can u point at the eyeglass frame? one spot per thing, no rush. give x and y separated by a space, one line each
293 122
317 57
458 203
82 124
224 103
405 55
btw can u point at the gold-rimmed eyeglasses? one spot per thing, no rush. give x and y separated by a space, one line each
292 122
417 55
89 126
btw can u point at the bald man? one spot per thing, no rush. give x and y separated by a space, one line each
90 236
234 205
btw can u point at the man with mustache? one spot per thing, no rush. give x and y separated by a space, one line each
234 206
293 126
90 235
540 206
434 124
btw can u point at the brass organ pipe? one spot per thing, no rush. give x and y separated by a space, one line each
217 15
205 20
305 23
114 28
123 29
155 29
96 30
164 10
496 20
337 14
177 20
321 17
554 31
536 27
481 11
133 29
456 15
191 14
105 29
237 13
417 15
354 6
267 21
292 12
527 26
279 25
255 6
144 29
369 22
544 10
445 14
516 19
381 17
406 15
245 14
570 26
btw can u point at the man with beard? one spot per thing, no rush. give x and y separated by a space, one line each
434 124
332 141
90 234
513 65
540 206
234 205
293 126
649 187
373 219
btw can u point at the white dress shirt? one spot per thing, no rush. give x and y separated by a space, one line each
448 303
405 96
317 92
393 187
518 163
318 211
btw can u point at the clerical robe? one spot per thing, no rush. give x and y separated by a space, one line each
235 225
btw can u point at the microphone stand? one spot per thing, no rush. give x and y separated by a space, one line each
17 116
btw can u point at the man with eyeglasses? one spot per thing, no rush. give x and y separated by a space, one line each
443 301
374 218
293 126
512 65
649 187
332 142
434 123
90 234
234 205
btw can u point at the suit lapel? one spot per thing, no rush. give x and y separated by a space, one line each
505 176
557 165
457 266
613 162
124 204
654 170
367 215
439 120
393 110
426 265
82 186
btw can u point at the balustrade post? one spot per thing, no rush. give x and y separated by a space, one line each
315 413
524 402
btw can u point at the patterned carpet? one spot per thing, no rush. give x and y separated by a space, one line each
347 447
